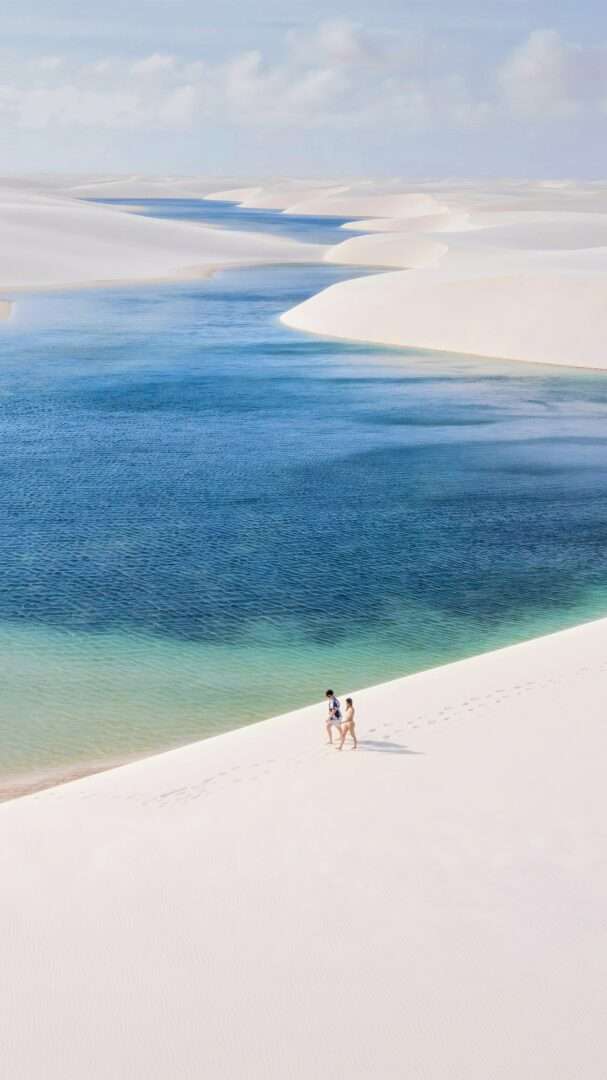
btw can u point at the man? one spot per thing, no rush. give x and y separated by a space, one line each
334 717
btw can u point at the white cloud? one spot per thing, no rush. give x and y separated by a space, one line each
338 75
151 65
100 67
69 106
49 63
333 42
178 109
343 42
547 76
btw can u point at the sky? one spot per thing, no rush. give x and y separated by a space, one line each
372 87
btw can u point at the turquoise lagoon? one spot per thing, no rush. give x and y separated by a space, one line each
206 518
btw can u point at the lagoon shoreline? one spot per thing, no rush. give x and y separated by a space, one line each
445 884
409 226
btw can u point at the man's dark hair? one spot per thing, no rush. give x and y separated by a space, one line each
328 693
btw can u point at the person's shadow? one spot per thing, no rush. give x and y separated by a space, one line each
383 746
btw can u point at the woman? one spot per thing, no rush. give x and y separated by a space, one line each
347 725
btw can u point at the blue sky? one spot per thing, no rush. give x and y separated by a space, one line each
384 87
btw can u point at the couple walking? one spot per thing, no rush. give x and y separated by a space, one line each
345 724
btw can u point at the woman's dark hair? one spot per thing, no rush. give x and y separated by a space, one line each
348 701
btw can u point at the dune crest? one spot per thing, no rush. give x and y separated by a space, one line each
50 238
510 270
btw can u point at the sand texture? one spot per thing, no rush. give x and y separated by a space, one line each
515 271
50 238
261 905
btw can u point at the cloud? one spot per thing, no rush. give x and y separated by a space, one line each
281 94
343 42
333 42
49 63
151 65
547 76
338 75
178 109
70 107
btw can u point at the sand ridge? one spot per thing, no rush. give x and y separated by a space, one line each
49 239
515 271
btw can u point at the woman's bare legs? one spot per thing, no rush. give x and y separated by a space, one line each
344 729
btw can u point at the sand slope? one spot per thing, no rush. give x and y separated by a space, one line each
516 271
140 186
262 906
363 198
381 249
48 239
540 317
278 195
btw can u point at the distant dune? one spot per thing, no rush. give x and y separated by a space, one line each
516 271
49 238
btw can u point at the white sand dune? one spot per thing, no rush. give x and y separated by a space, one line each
363 205
276 196
542 317
388 249
139 186
580 227
262 906
361 198
49 239
516 271
445 221
235 195
537 219
475 254
545 236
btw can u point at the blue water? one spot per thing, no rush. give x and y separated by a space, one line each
309 229
206 518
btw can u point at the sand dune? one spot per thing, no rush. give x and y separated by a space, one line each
48 239
444 221
386 249
347 204
276 196
516 271
478 253
140 186
362 198
260 905
540 317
